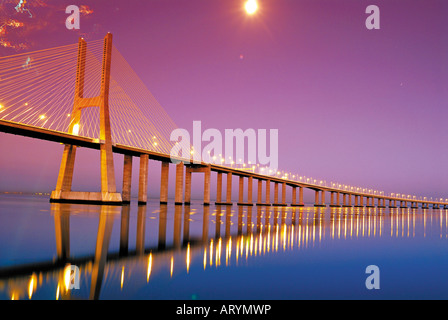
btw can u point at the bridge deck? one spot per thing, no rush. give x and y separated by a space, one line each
66 138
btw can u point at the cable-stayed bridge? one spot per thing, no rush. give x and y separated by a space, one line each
88 95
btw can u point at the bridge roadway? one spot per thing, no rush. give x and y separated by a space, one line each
129 151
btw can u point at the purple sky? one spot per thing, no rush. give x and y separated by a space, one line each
362 107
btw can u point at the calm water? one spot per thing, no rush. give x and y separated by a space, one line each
197 252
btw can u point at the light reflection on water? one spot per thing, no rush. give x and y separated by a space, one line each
207 252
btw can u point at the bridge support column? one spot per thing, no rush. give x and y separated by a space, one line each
320 203
284 194
268 192
241 191
275 193
164 174
249 190
356 201
344 200
259 191
207 174
229 189
187 199
301 197
179 184
143 180
294 197
349 200
337 199
219 188
127 178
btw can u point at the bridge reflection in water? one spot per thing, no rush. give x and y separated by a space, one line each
217 237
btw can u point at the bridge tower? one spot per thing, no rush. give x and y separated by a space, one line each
108 194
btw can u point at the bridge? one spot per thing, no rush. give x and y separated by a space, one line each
107 108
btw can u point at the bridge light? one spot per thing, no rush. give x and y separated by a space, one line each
42 117
75 130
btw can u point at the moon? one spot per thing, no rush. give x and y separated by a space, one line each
251 6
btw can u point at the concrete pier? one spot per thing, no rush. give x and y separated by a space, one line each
187 197
164 175
143 180
127 178
178 193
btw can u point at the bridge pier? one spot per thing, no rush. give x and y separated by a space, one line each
276 203
187 197
127 178
392 203
294 197
268 192
357 201
346 200
249 192
259 191
143 180
370 202
241 191
218 188
321 202
207 172
164 174
332 202
250 181
228 190
179 183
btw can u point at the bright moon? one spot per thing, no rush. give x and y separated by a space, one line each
251 6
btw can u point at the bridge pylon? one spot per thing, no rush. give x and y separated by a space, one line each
108 194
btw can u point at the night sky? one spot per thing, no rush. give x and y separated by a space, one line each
361 107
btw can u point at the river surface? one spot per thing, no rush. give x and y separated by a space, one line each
235 252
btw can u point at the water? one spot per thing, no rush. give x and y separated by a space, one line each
199 252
